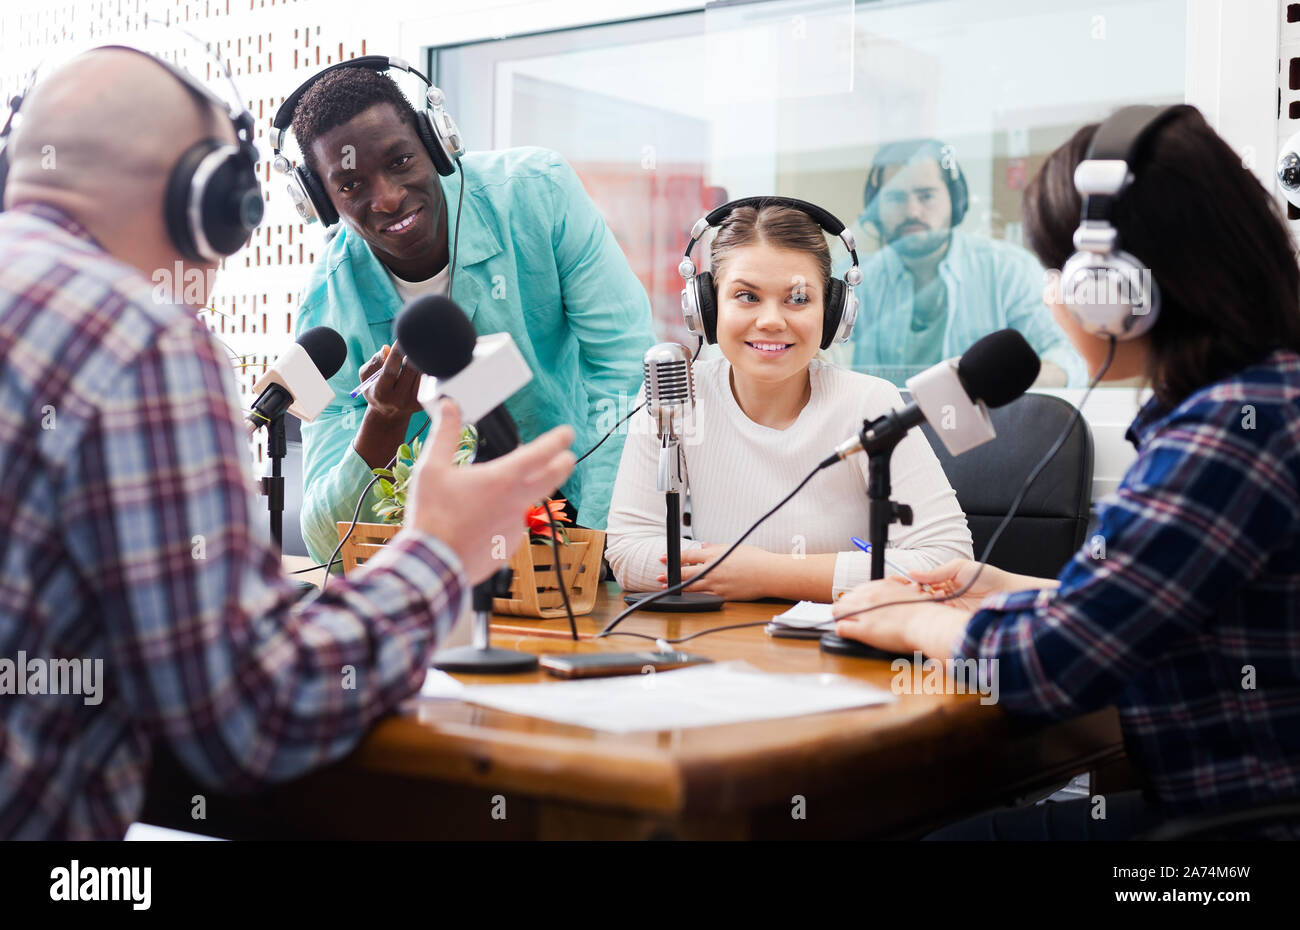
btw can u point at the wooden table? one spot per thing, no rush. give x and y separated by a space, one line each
450 770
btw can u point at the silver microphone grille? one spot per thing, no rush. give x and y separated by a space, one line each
669 385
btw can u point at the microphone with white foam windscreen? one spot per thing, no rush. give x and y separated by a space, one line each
956 394
479 373
298 382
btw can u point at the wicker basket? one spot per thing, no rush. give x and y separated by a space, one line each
534 591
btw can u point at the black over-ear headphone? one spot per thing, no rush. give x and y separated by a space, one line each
699 298
213 201
434 126
900 153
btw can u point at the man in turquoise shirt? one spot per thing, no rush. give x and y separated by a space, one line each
932 290
534 258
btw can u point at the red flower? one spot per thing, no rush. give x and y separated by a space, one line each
539 523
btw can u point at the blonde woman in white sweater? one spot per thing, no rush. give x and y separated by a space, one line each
766 413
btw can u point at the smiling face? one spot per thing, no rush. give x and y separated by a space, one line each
382 181
769 311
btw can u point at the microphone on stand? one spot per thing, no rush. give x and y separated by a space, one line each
297 383
479 373
670 401
954 396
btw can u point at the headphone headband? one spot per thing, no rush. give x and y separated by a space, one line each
823 218
212 201
1116 149
284 115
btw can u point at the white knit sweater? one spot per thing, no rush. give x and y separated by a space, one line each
738 470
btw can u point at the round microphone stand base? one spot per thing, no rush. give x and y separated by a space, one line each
835 644
480 657
690 602
489 661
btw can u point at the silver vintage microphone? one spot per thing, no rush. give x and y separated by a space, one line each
670 401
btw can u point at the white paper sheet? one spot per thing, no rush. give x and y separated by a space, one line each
705 695
439 685
807 615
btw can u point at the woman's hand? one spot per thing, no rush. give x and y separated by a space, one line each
953 576
742 577
914 624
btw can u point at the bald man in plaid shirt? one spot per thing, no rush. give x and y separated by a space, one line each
130 540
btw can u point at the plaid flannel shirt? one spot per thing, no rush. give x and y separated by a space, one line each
1185 613
128 534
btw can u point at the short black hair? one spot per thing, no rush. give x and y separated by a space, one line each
339 96
1211 235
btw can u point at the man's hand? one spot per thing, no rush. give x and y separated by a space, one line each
473 508
390 401
914 623
392 396
743 577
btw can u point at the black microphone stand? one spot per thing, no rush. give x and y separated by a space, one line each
670 482
277 447
879 438
497 436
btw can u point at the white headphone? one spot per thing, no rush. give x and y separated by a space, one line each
1107 290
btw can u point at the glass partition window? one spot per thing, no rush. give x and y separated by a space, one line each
917 123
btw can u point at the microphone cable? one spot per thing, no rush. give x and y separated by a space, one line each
988 547
455 236
559 572
644 602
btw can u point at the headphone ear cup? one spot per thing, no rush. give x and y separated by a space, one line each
832 311
315 191
870 208
176 200
432 144
708 303
1110 295
959 193
229 200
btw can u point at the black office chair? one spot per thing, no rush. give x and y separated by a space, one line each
1052 521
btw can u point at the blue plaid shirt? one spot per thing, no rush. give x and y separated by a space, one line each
129 537
1185 613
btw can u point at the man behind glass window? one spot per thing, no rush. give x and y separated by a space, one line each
534 259
932 291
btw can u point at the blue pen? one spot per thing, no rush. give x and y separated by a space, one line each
866 547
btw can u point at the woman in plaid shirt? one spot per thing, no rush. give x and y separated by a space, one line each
1188 617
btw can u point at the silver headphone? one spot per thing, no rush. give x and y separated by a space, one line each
1107 290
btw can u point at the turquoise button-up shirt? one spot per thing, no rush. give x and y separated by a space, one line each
535 260
990 285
